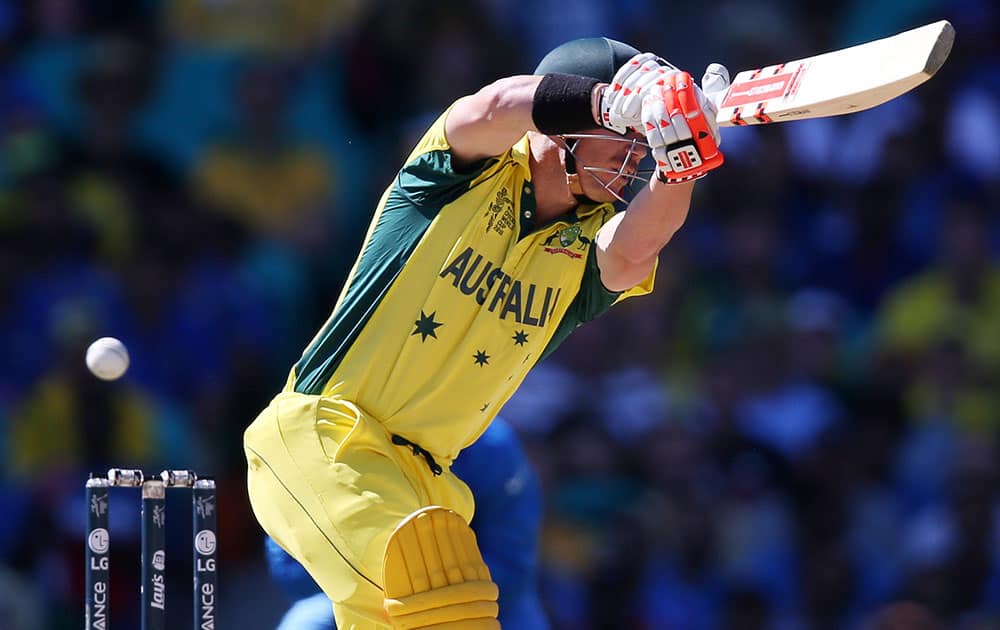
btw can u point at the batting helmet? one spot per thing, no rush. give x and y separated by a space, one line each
598 58
595 57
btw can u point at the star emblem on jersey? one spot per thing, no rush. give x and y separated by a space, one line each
425 326
520 337
482 358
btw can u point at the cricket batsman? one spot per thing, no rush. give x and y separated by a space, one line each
498 236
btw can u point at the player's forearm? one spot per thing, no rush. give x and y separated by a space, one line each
488 122
652 219
629 244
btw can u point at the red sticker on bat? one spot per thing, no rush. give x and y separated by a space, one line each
756 90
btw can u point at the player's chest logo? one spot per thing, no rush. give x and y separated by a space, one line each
571 240
500 213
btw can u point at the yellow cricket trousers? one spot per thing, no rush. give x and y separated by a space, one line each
326 482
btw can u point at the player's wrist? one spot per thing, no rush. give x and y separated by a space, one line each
670 179
563 103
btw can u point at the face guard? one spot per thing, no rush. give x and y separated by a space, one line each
632 180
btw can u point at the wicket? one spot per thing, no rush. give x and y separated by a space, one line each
153 568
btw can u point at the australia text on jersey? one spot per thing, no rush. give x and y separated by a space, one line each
494 284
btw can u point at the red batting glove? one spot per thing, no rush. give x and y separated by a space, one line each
680 127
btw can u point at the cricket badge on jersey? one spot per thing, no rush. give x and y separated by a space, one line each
571 239
500 213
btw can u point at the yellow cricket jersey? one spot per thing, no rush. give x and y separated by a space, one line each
455 296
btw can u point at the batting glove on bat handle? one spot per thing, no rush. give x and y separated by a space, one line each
621 100
680 127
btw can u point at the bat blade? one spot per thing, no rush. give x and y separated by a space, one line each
837 82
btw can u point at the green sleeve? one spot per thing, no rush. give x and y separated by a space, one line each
592 300
431 181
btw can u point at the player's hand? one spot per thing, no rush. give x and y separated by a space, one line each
621 100
679 122
715 82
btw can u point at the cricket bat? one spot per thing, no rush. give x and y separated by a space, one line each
838 82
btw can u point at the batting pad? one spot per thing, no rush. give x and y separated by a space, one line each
435 577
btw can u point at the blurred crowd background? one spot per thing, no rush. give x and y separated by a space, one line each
797 430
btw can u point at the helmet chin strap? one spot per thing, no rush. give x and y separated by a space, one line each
572 176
